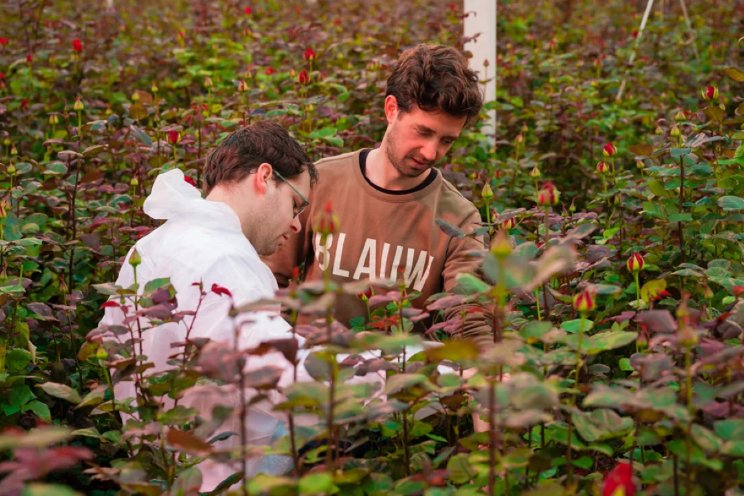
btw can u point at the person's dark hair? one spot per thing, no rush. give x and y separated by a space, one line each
435 78
245 149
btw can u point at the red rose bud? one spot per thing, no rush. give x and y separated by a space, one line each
709 93
269 71
309 54
242 87
189 180
174 137
509 224
219 290
326 222
584 302
303 77
77 45
635 262
4 41
609 150
29 58
248 11
548 195
602 167
619 481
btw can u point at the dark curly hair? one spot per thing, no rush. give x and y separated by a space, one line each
435 78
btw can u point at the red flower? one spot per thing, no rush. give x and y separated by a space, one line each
110 304
77 45
4 41
602 167
619 481
269 71
303 77
248 11
2 75
174 137
709 93
219 290
29 58
309 54
189 180
609 150
635 262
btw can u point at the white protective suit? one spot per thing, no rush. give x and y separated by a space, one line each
201 241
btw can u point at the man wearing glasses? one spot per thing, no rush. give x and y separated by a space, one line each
256 183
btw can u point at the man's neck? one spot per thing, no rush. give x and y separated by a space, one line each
383 174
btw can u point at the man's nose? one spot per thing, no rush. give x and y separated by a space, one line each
295 225
429 151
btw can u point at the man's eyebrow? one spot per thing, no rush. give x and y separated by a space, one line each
427 130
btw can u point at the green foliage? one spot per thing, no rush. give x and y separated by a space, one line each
651 373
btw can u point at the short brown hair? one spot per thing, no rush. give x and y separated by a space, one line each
435 78
245 149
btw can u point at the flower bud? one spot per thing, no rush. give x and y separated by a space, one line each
326 222
501 246
135 259
602 167
584 302
680 116
548 195
242 87
208 82
487 192
135 96
509 224
675 131
609 150
78 105
134 181
11 169
13 150
636 262
154 88
174 137
709 93
303 77
535 172
309 54
53 119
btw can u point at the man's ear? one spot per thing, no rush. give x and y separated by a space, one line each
391 108
262 177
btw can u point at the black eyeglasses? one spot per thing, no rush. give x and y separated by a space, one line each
305 202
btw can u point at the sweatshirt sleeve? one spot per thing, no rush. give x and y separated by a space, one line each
476 320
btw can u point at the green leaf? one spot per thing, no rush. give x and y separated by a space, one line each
460 470
320 483
399 382
735 74
729 203
469 284
323 132
44 489
609 340
573 326
684 217
56 169
601 424
61 391
20 394
16 360
706 439
40 409
730 429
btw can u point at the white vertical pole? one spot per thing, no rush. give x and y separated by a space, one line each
481 20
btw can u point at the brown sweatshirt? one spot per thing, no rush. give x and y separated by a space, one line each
382 235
